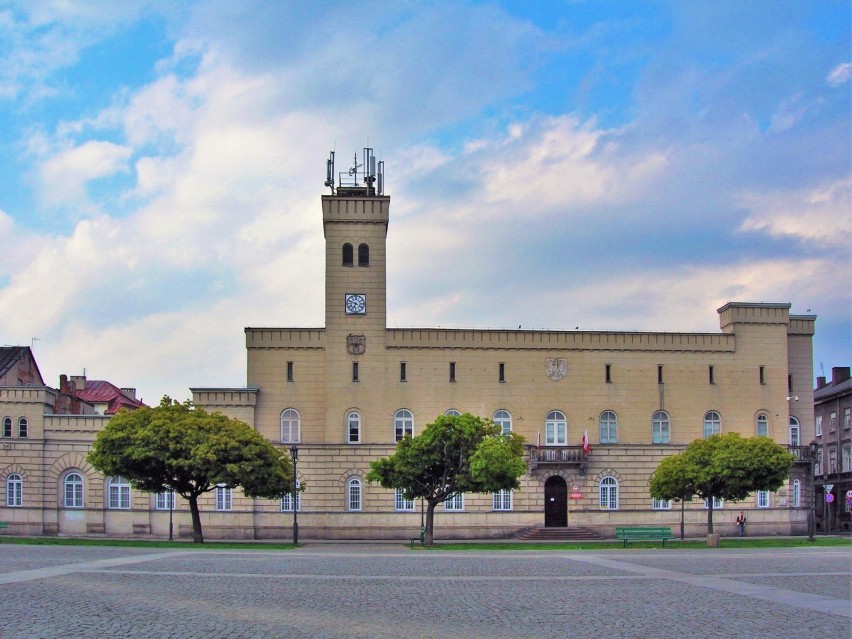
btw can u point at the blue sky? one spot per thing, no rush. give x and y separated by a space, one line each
607 165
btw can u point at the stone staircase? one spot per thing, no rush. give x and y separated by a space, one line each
571 533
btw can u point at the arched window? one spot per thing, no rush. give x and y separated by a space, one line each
224 497
555 429
73 493
660 431
762 425
609 427
347 254
353 427
504 420
353 494
363 255
712 423
118 490
609 493
403 424
14 490
797 493
7 427
23 427
795 432
290 426
453 412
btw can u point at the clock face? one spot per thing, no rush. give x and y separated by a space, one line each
356 304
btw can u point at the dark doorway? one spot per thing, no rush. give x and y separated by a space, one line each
555 502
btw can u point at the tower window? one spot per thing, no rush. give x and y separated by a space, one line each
659 373
354 371
347 254
501 375
402 371
289 371
363 255
452 371
762 374
710 374
608 373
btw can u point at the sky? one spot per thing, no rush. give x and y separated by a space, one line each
555 164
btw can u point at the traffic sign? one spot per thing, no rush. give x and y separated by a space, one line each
576 489
576 495
829 498
849 494
828 487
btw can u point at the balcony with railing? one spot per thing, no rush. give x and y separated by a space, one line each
801 453
557 457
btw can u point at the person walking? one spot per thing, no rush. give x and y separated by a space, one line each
741 520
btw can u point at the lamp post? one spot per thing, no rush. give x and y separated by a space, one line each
812 509
294 453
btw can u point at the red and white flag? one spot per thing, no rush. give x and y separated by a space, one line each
586 448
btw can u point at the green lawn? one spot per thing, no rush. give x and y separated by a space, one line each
726 542
139 543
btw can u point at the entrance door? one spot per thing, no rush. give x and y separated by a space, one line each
555 502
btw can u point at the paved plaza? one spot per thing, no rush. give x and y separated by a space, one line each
362 590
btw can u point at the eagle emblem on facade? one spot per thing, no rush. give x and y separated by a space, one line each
556 368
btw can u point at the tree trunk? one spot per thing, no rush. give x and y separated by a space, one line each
197 535
710 515
430 518
682 515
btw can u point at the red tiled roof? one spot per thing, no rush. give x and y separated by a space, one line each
101 392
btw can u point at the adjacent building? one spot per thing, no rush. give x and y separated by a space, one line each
833 463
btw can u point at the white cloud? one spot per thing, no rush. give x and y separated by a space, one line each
840 74
65 174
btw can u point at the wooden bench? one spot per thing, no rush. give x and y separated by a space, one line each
4 524
421 538
644 533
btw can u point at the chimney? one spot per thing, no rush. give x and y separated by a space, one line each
820 383
129 392
839 374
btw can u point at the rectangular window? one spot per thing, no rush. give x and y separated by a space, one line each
846 461
818 426
661 504
402 371
832 460
818 461
710 374
608 373
223 498
452 371
287 503
502 500
455 503
762 375
717 504
354 371
847 418
289 371
501 373
832 422
165 501
659 373
119 496
797 493
789 383
763 499
401 504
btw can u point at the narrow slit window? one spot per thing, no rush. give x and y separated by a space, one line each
289 371
608 373
659 373
363 255
710 374
501 374
402 371
347 254
762 374
452 371
354 371
789 383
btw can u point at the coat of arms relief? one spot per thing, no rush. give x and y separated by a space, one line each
556 368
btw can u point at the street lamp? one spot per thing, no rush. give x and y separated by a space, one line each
294 453
812 510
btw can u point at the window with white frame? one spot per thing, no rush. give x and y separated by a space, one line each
502 500
832 422
832 459
763 499
353 494
287 503
712 423
660 431
118 489
608 493
846 460
717 503
455 503
290 426
555 429
400 503
453 412
165 500
795 432
608 422
14 490
818 461
7 427
797 493
818 426
353 427
224 498
762 425
403 424
847 418
504 420
23 427
661 504
73 490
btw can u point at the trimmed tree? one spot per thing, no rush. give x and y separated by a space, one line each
185 449
453 455
725 466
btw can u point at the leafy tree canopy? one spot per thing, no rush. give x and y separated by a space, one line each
186 449
725 466
454 454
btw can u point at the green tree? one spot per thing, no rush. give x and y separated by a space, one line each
722 467
186 449
453 455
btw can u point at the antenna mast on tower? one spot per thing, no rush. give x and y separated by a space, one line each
366 178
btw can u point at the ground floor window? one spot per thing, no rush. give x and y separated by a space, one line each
455 503
224 497
119 493
609 493
763 499
502 500
287 503
797 493
165 500
401 503
14 490
353 494
73 490
661 504
717 503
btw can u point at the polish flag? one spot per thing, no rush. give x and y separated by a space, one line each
586 448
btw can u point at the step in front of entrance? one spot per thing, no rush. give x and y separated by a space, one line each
556 533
